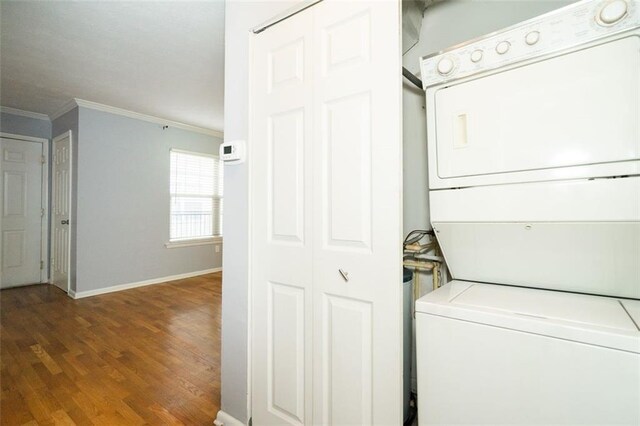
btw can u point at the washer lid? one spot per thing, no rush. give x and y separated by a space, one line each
596 320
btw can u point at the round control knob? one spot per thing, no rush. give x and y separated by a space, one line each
503 47
476 56
445 66
532 38
613 11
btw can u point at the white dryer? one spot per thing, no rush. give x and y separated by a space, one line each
534 185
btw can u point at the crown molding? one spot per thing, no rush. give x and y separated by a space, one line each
136 115
23 113
63 110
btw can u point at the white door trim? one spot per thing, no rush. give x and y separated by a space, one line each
44 203
23 138
249 166
69 134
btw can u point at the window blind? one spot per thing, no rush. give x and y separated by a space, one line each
196 188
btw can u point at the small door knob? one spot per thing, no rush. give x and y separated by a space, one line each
345 275
64 222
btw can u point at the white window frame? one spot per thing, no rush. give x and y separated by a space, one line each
216 239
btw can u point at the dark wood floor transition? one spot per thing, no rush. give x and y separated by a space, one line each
149 355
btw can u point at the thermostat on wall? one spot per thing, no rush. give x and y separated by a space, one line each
233 152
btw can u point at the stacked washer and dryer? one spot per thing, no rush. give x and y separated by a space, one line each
534 186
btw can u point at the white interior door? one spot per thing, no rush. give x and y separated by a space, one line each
61 211
22 212
281 273
326 197
357 160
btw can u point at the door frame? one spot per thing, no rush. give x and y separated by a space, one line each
63 135
44 203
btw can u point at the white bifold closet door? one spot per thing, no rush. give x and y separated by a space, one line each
326 217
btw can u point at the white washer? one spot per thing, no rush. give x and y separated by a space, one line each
534 178
490 354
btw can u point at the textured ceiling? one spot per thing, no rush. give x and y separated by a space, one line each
162 58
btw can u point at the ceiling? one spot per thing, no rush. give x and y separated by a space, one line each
161 58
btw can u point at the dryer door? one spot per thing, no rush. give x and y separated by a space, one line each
577 109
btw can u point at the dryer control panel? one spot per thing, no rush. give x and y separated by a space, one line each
562 29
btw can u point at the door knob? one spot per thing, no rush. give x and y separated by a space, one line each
345 275
64 222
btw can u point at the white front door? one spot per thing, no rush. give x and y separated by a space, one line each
326 217
61 211
22 212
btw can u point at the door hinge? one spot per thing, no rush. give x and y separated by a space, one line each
43 160
41 264
41 212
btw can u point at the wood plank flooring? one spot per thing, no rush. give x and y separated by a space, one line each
149 355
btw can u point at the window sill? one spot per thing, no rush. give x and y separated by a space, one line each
192 243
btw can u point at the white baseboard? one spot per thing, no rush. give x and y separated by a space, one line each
224 419
120 287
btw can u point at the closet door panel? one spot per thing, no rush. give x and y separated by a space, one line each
281 230
346 167
357 209
347 361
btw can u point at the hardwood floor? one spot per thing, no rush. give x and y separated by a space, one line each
149 355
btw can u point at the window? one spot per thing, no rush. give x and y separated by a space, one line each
196 196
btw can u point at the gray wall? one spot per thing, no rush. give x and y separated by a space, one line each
120 198
239 18
414 135
123 201
25 126
62 124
